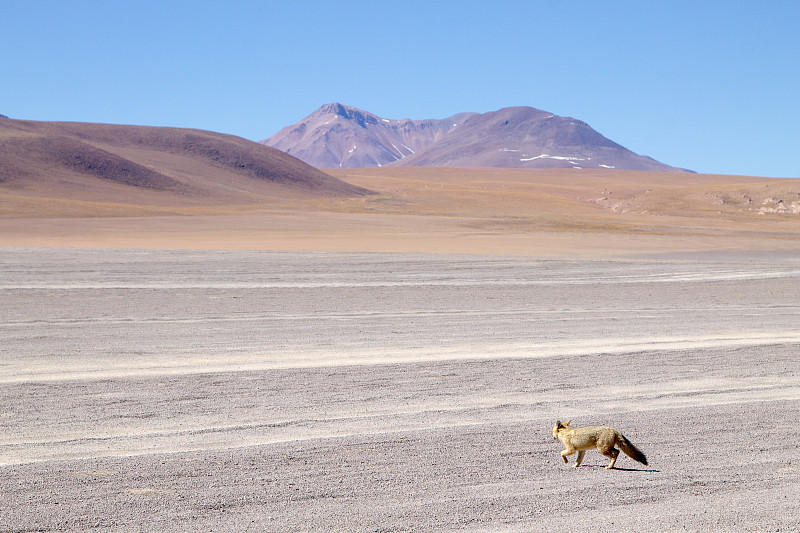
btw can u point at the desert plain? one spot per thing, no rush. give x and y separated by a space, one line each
396 361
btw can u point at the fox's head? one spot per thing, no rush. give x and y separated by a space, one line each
559 426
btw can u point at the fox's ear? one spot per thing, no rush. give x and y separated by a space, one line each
558 423
567 422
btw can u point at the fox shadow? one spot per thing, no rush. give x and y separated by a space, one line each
621 468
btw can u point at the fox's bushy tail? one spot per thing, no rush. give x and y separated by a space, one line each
630 450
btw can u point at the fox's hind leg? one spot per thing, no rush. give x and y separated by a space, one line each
611 453
580 458
605 445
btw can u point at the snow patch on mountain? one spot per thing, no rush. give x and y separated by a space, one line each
559 157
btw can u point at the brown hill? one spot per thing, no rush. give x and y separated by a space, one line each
112 165
338 136
582 197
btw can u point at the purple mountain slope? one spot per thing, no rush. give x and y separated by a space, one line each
338 136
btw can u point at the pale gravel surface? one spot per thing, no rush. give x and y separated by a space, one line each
261 391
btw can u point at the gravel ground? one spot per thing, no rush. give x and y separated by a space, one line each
260 391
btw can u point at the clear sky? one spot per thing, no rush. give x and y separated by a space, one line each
713 86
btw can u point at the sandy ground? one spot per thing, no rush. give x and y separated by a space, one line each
558 213
158 390
363 232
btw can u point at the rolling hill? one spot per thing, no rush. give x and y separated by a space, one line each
338 136
116 164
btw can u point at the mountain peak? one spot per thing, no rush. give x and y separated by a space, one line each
362 118
336 108
340 136
512 137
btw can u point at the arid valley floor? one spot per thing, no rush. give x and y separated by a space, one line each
396 363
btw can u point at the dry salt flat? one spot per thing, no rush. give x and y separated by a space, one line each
145 390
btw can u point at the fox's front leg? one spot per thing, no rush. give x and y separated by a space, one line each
565 453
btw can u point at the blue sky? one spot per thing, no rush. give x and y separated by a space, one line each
710 86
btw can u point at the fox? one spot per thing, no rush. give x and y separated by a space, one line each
601 437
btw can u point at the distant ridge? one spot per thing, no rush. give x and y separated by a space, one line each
338 136
106 162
